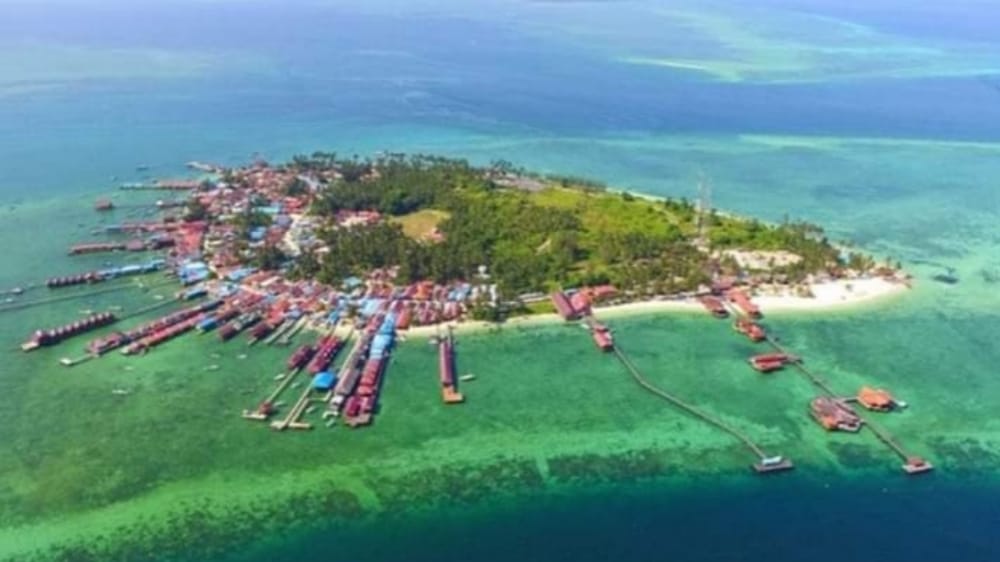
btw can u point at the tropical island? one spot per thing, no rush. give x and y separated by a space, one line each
362 251
410 219
340 260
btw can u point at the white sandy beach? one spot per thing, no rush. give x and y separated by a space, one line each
831 295
828 295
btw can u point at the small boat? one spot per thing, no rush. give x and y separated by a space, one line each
467 377
121 392
773 464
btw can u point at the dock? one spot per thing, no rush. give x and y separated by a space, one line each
446 370
18 305
260 415
766 463
292 420
912 464
162 185
349 372
293 330
281 331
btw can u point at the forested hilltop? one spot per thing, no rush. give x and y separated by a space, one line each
445 219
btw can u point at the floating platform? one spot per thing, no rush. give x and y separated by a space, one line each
773 464
917 468
917 465
451 396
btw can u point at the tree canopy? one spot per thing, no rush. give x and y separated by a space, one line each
567 232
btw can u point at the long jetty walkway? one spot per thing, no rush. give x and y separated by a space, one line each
809 374
912 464
766 462
16 305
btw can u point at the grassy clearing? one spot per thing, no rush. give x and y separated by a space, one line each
420 224
605 213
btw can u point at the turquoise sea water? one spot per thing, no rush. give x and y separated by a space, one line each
869 120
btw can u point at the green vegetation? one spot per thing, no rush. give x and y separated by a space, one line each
395 185
269 257
249 220
540 307
568 232
196 210
296 187
420 224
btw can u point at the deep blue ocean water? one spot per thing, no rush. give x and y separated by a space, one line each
543 84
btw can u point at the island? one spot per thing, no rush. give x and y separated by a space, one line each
513 235
363 251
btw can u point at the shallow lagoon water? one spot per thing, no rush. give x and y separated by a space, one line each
557 454
551 427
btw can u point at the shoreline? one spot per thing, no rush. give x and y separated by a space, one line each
839 295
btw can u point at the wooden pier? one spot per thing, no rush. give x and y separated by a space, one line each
446 369
766 463
292 419
293 330
273 397
273 337
912 464
130 284
349 373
